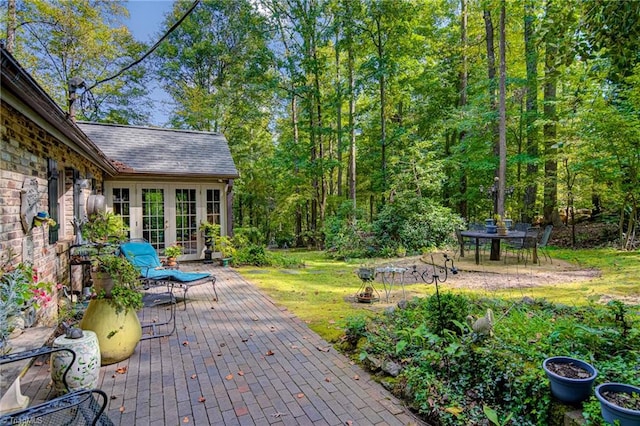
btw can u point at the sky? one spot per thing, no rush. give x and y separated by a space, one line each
146 24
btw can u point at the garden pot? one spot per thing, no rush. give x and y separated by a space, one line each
508 223
491 229
502 231
568 389
612 412
171 262
225 261
118 333
489 222
102 281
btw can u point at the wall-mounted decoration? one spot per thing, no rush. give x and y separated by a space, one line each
28 203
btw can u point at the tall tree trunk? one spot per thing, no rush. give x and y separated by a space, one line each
352 113
383 106
296 141
502 172
338 115
464 82
531 57
550 202
11 25
491 71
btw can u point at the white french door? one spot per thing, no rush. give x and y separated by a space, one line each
166 214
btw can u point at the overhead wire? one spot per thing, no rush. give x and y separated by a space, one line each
150 51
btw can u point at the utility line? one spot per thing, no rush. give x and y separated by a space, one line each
150 51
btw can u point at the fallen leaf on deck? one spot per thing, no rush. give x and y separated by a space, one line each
300 395
320 348
185 420
38 363
193 376
113 397
349 423
356 377
229 377
269 352
240 373
121 370
122 408
245 340
185 343
202 399
327 379
294 347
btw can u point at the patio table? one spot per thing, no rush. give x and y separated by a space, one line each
495 243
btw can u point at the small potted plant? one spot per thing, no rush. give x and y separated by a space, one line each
619 402
172 252
501 227
571 379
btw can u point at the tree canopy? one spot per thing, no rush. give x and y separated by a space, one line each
381 102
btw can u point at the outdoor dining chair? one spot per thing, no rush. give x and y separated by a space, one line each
542 245
529 242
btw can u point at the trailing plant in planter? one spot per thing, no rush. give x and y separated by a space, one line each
123 294
105 228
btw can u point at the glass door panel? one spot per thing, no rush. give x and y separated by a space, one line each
153 221
186 223
121 203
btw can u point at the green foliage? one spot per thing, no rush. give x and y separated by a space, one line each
455 379
124 298
445 312
105 228
258 255
355 329
19 289
408 225
173 250
60 40
415 223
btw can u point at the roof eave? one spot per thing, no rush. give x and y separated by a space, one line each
16 80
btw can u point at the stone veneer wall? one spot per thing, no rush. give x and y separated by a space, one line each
26 148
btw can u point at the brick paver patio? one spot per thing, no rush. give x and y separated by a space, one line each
240 361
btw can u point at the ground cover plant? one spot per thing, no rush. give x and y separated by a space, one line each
450 374
460 377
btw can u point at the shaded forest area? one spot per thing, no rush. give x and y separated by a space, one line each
376 125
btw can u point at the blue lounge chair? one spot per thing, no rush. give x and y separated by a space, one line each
145 258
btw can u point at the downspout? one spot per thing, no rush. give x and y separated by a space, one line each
229 197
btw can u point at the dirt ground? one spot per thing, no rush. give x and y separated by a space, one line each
492 275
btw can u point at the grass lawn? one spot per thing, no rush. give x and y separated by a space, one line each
321 293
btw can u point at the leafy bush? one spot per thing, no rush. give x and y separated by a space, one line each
258 255
408 225
415 223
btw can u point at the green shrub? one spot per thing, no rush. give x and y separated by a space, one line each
415 223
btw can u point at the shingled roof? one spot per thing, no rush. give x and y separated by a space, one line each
147 150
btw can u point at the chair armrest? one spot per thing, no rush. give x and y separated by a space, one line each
34 353
78 407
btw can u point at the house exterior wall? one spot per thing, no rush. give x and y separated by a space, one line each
26 149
